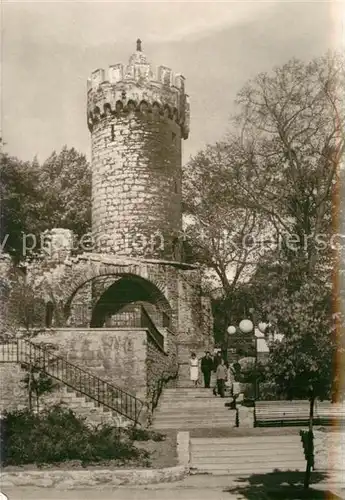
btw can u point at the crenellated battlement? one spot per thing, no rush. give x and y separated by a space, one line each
137 88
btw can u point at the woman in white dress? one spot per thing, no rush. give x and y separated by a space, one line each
194 368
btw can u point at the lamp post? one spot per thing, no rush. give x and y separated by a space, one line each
246 326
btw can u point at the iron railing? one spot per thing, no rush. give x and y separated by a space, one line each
146 322
115 399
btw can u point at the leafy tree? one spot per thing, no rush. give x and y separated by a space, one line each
222 235
21 202
302 364
37 384
36 197
65 180
292 142
280 171
22 307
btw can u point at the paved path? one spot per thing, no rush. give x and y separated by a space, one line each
122 494
192 488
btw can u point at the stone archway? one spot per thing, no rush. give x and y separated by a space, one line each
64 281
130 294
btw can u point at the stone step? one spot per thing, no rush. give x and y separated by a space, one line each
190 397
181 415
78 403
248 458
201 401
252 440
191 394
240 470
184 427
198 406
209 421
178 424
224 450
237 453
252 465
195 403
189 390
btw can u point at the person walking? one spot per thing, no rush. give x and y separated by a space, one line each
206 368
216 362
194 368
222 375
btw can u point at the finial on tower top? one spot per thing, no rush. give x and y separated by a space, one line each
139 45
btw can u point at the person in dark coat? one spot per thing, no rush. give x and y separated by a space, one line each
217 360
206 368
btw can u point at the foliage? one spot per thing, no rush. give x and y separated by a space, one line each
292 141
37 383
249 370
138 434
65 179
268 391
273 185
21 305
216 226
58 435
21 202
231 309
302 363
39 197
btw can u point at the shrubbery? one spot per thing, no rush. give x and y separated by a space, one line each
137 434
58 435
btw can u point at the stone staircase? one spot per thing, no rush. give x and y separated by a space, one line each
247 455
190 408
82 406
82 391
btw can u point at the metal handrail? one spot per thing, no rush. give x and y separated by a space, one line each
116 399
146 322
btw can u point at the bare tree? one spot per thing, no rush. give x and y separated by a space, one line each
292 143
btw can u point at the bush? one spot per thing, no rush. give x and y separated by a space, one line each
137 434
57 435
268 392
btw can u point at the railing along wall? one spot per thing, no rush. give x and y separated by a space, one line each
147 323
29 354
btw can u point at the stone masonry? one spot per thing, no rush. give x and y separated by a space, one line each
137 118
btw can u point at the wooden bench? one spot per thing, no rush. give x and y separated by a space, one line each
275 413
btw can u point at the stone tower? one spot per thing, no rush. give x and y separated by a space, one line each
137 116
130 309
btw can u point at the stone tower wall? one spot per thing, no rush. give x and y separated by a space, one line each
136 188
137 120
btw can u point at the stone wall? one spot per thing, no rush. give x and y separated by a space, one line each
116 356
207 317
136 186
129 359
13 394
194 310
81 307
162 369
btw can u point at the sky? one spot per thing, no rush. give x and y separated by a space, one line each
50 48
